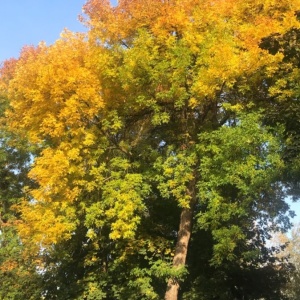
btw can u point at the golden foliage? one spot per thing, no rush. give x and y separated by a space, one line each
68 98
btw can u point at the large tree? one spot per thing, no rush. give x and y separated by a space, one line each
149 133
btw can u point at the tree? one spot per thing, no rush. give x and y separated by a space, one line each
18 274
290 253
285 93
156 109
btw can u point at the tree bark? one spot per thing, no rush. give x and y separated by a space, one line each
183 238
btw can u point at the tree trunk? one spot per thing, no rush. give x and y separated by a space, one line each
181 249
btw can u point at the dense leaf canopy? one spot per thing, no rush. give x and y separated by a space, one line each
158 167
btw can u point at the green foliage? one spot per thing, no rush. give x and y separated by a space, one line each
238 163
18 273
174 172
155 113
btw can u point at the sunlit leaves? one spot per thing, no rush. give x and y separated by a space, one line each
122 202
58 75
223 35
177 170
143 114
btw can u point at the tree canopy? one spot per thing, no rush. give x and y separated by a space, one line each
159 169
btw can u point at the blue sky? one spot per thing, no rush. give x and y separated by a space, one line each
27 22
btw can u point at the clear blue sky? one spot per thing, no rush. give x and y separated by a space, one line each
27 22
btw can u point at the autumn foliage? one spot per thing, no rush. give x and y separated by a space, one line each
150 122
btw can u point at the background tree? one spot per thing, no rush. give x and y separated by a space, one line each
18 273
285 109
290 253
284 92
